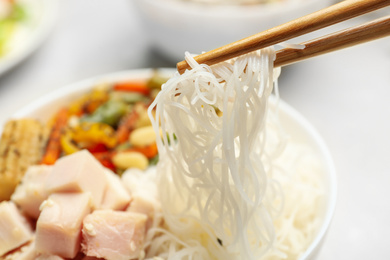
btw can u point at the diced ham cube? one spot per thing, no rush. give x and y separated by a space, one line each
116 196
78 172
59 225
113 235
14 228
31 192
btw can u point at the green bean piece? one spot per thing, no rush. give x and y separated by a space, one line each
109 113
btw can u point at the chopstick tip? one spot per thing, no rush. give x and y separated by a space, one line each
182 66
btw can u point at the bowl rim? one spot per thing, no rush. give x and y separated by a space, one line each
330 170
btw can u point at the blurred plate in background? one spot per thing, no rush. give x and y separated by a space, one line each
28 33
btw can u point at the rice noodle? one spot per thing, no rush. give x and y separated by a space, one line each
220 186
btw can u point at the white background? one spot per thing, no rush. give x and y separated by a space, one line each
345 95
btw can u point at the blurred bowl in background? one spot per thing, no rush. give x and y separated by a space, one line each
176 26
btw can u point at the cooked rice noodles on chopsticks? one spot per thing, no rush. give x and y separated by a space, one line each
217 179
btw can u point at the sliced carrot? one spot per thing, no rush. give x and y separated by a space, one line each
126 126
133 86
53 148
149 151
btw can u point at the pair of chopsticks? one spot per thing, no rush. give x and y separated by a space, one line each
328 16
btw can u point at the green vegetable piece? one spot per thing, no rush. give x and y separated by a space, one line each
128 97
156 81
120 172
122 147
154 160
109 113
169 139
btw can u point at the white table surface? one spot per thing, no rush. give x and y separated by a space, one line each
345 95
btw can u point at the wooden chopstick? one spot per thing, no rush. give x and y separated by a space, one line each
328 16
376 29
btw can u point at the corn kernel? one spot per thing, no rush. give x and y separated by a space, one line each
125 160
142 137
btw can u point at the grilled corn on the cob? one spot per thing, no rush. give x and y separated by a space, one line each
21 146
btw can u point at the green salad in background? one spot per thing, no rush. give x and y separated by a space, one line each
12 14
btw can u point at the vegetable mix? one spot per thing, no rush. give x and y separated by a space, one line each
110 121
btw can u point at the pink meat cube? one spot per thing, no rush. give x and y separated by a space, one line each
30 193
146 205
113 235
26 252
78 172
116 196
14 228
58 230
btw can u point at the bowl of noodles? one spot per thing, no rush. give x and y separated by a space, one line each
176 26
294 213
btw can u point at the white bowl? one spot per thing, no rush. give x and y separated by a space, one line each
294 123
177 26
299 129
